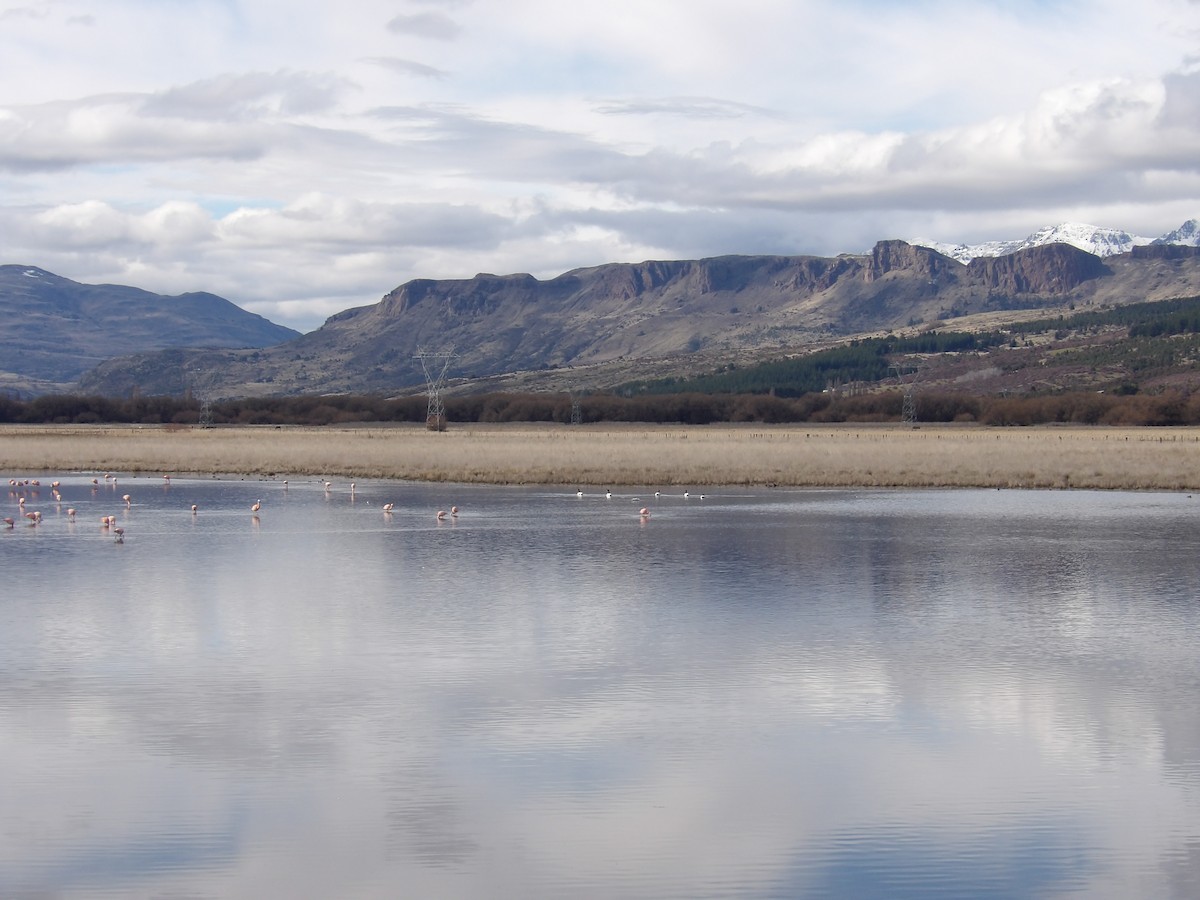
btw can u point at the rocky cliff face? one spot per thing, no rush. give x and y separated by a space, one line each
1165 251
898 256
1052 269
625 315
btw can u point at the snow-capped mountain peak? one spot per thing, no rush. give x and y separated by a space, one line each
1188 233
1090 238
1100 241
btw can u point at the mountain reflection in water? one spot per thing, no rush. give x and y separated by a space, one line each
758 694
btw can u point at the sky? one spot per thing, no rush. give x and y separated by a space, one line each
301 158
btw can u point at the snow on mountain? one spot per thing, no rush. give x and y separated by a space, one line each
1090 238
1099 241
1188 233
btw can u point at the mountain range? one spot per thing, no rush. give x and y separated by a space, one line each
588 328
1093 239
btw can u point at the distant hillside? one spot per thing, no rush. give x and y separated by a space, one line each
608 325
55 329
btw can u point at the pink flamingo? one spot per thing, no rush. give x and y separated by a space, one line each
441 514
8 522
454 511
388 507
256 507
120 533
194 508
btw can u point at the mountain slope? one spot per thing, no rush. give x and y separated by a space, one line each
600 326
56 329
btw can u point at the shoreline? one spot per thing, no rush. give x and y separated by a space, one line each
843 455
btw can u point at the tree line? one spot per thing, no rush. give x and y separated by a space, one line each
865 360
1080 407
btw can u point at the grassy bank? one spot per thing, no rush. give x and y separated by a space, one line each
869 455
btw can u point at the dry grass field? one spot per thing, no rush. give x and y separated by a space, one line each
597 455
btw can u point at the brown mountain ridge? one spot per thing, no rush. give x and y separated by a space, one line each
597 327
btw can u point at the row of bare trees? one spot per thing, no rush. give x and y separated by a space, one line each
1086 408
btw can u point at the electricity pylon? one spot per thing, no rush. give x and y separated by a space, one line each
906 377
434 364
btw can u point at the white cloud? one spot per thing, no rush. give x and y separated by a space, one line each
430 25
407 66
295 169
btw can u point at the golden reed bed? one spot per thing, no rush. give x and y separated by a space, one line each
818 456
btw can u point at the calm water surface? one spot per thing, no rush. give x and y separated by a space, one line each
754 694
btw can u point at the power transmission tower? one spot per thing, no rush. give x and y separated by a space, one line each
434 364
206 418
576 408
906 377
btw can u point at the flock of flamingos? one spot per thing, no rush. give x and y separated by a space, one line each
29 489
24 491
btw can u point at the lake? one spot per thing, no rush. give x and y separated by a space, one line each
755 693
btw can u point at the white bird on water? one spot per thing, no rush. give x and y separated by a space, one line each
256 507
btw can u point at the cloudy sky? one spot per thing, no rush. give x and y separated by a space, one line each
304 157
